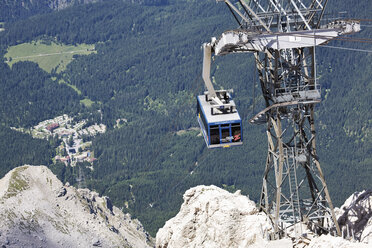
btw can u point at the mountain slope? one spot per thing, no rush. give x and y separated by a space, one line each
36 210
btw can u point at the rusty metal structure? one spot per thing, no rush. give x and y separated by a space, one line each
283 35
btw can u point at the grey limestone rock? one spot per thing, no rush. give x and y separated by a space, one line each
46 213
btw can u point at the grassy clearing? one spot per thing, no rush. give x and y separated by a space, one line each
61 81
48 55
87 102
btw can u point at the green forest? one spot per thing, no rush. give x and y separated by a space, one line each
147 69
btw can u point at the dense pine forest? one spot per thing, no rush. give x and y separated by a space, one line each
147 70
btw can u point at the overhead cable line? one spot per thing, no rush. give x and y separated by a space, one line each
347 48
362 40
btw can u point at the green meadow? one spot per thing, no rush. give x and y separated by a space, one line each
48 55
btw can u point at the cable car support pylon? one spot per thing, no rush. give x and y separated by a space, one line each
283 35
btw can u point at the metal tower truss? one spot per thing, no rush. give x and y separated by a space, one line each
283 35
294 189
278 15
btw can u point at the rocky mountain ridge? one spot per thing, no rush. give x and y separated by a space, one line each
213 217
37 210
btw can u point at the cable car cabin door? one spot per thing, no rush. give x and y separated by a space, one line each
225 134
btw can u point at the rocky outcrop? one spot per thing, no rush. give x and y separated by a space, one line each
354 216
212 217
37 210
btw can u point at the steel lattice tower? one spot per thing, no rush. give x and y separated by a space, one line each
283 35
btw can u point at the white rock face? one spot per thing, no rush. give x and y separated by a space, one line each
213 217
36 210
366 236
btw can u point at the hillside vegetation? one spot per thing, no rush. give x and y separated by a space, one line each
147 70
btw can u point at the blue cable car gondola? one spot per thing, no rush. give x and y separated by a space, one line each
221 127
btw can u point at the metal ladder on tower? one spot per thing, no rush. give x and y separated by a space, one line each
293 188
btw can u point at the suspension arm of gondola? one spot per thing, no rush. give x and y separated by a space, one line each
207 52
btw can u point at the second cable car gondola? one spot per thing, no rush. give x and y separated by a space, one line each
221 126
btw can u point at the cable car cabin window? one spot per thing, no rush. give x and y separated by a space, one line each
225 134
236 132
223 111
214 134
